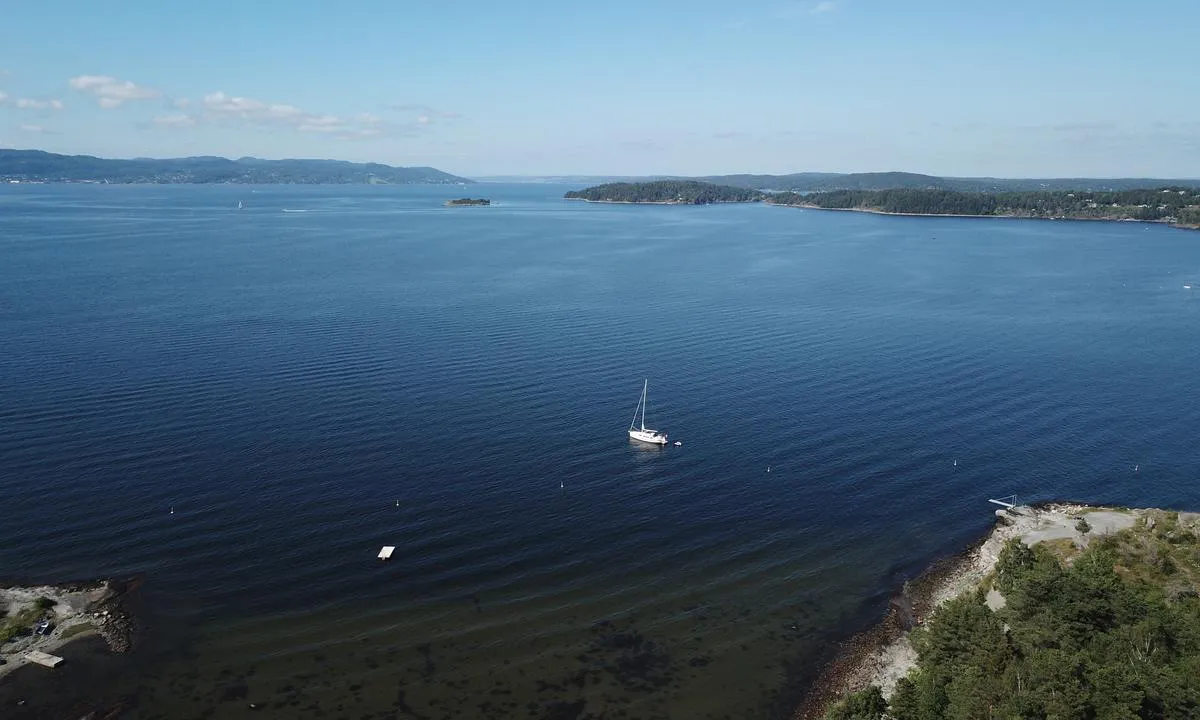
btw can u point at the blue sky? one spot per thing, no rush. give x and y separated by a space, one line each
1016 88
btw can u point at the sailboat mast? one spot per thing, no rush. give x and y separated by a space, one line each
645 387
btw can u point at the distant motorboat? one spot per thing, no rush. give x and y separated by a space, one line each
639 431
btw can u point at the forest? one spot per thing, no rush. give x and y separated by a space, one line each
1112 631
1176 205
675 192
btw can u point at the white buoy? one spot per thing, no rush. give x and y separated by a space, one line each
560 485
956 463
768 468
172 509
1135 468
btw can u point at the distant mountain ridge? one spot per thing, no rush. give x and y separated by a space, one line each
40 166
824 182
821 182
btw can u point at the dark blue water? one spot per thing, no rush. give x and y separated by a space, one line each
302 388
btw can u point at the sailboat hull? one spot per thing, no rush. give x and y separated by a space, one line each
649 436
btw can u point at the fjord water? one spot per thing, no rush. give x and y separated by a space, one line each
244 405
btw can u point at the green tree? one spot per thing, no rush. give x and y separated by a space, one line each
865 704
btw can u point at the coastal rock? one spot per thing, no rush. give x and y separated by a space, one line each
74 610
883 654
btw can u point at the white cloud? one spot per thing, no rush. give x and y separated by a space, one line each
32 128
424 114
823 7
219 108
31 104
174 120
3 97
111 91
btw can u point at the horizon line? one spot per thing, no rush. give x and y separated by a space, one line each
485 176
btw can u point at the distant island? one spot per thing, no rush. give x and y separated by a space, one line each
36 166
666 192
824 182
1176 205
468 202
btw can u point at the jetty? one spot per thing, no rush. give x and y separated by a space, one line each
41 658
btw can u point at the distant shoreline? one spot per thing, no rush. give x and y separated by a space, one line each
876 211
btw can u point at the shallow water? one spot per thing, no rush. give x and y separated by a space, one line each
303 388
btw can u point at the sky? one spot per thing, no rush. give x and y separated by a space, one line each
1023 88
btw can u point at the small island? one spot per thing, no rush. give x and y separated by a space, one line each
666 192
1178 206
468 202
1064 611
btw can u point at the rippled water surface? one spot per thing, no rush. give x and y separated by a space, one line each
301 388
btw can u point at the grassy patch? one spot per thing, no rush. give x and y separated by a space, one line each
1064 549
79 629
19 623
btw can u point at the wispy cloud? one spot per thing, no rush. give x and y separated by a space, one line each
219 108
3 97
37 129
174 120
110 91
31 104
1070 127
424 114
806 8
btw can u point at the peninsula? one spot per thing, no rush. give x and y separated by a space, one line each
1179 206
20 166
1061 611
41 619
468 202
666 192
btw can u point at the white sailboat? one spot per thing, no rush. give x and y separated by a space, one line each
640 431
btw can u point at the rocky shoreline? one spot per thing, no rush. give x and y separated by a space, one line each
74 610
883 654
1004 216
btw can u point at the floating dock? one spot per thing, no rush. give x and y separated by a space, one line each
42 658
386 552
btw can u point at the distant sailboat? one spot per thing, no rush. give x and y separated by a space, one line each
638 431
239 204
